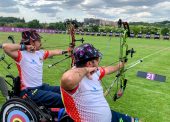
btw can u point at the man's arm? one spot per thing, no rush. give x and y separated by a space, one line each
112 69
59 52
55 52
11 49
72 77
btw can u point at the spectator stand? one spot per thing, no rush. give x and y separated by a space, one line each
157 36
92 33
111 34
117 34
166 36
132 35
82 33
78 32
148 35
98 34
88 33
140 35
104 33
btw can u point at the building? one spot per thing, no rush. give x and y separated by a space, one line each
93 21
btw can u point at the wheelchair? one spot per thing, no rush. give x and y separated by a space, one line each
17 109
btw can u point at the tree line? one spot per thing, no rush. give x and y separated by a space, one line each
135 27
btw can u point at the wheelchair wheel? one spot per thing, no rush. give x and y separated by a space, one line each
18 110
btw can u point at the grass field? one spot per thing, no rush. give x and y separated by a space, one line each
146 99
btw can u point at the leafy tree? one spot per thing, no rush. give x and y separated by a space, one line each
34 24
135 29
108 29
85 29
164 31
60 26
2 23
95 28
11 20
51 26
101 30
20 25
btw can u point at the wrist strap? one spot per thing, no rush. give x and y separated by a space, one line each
64 52
23 47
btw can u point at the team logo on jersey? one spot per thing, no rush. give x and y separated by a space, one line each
94 89
33 61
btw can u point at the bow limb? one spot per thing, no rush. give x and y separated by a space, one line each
72 44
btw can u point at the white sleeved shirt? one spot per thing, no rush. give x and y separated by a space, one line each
30 67
86 103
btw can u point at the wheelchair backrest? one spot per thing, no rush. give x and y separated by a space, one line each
16 86
3 87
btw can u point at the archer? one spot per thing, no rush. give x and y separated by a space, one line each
29 60
81 88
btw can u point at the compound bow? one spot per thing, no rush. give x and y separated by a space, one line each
71 26
123 57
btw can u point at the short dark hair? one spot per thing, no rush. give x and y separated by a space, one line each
29 35
83 63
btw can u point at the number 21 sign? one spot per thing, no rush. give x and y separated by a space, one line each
151 76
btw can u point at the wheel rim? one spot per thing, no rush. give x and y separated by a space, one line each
18 113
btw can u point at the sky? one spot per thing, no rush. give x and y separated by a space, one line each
58 10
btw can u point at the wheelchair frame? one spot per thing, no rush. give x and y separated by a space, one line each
17 109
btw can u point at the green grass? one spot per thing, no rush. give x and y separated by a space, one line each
146 99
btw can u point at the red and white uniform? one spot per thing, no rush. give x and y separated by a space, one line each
30 67
86 103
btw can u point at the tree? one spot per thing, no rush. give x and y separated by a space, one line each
95 28
51 26
164 31
34 24
154 30
135 29
20 25
60 26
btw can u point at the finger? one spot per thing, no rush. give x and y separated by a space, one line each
94 69
89 76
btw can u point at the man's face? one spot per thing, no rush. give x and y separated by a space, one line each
94 63
37 44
